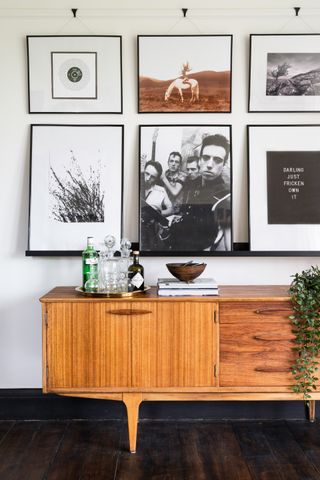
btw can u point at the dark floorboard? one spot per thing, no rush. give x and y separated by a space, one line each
309 441
40 452
166 450
257 451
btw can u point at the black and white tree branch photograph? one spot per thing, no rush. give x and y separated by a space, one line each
75 196
284 73
76 185
293 74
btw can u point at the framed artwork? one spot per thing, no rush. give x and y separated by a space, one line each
184 73
74 74
75 186
185 189
284 73
284 187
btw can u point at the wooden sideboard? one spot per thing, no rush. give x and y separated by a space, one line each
236 346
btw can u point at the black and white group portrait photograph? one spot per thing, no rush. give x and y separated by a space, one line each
185 188
184 73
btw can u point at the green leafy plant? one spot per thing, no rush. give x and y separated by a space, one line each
305 298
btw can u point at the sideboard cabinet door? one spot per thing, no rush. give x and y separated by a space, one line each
174 344
88 345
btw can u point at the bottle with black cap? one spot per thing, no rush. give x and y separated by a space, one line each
136 273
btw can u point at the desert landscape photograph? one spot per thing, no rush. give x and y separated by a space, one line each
184 73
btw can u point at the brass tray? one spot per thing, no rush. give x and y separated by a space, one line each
110 295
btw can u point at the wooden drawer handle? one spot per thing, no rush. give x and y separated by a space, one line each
141 312
269 338
128 311
272 370
273 311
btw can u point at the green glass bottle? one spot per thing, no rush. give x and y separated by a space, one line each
136 273
89 261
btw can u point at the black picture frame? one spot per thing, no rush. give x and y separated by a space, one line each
155 95
282 187
213 234
41 74
280 73
69 164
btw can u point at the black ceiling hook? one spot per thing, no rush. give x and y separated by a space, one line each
74 11
297 9
184 11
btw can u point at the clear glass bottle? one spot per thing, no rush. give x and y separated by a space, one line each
136 273
108 267
125 261
89 261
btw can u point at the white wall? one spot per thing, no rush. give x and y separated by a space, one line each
24 280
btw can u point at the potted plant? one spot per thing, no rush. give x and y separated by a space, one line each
305 298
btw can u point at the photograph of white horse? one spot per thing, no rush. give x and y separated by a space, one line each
184 73
180 85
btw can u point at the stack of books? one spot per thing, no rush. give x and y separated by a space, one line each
171 287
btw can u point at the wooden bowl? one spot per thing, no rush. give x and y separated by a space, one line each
185 273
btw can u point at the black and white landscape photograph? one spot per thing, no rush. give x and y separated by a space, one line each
284 73
293 74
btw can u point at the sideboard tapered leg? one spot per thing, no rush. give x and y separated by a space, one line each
311 408
132 402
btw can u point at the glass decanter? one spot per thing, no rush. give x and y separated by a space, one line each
124 262
108 267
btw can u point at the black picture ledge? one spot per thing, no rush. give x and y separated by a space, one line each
239 250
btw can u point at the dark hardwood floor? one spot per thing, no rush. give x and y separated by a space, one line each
166 450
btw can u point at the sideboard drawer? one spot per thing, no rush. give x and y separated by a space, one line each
256 355
255 312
